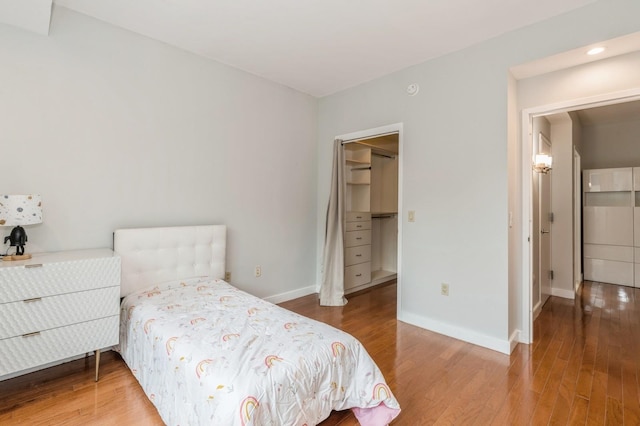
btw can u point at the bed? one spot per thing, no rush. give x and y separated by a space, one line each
206 352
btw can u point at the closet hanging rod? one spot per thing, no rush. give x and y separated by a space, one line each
382 155
361 168
374 147
387 216
379 135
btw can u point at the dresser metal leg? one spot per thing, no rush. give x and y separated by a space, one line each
97 362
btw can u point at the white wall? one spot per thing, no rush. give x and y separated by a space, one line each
516 293
562 206
117 130
456 169
576 131
611 145
576 134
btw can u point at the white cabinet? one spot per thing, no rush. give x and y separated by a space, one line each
56 306
371 200
357 250
608 225
610 264
358 254
608 180
612 225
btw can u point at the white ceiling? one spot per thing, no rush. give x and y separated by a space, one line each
32 15
315 46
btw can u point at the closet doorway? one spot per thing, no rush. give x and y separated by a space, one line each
373 165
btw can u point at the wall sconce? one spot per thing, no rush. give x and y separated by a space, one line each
542 163
18 210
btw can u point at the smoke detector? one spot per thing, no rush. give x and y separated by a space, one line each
413 89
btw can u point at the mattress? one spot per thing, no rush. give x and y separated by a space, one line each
208 353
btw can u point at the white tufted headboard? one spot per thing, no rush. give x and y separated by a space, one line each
154 255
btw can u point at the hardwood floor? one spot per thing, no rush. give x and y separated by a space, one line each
582 369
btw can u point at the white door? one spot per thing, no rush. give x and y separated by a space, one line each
544 203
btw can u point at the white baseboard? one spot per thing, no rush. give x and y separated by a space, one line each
560 292
361 287
578 285
514 339
537 309
459 333
290 295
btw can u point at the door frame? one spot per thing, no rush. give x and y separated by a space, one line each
372 133
526 159
543 276
577 220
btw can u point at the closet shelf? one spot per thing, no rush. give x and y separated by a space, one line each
358 162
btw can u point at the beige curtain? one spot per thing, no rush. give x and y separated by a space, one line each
332 289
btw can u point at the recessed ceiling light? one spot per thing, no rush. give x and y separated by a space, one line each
595 51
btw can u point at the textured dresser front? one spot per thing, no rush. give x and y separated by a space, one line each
357 249
56 306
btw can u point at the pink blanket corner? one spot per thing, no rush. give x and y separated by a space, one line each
375 416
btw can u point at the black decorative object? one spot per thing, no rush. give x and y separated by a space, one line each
18 239
18 211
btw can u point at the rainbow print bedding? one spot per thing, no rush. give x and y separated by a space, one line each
208 353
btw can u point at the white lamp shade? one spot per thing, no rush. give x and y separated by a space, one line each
17 210
543 160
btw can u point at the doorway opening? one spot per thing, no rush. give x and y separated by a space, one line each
529 263
373 172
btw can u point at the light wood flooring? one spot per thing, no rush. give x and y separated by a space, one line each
582 369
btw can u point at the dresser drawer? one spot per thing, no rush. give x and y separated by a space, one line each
601 251
357 238
18 318
609 271
20 353
355 255
358 226
18 283
358 216
357 275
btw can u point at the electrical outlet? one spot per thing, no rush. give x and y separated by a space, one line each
258 271
227 276
444 289
412 216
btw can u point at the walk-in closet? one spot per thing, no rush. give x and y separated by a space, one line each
371 200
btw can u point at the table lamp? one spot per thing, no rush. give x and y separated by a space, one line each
18 210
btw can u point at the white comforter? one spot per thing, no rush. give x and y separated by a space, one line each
208 353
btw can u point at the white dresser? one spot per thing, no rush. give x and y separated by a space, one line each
608 234
357 249
56 306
